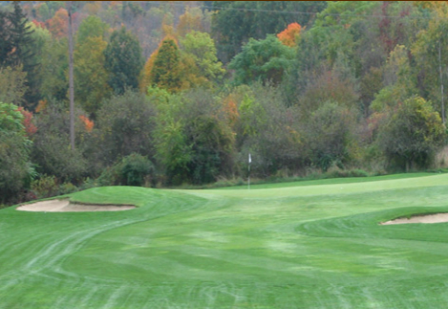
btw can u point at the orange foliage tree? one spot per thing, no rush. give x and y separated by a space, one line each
59 23
289 36
230 109
88 124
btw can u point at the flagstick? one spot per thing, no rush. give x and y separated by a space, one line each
248 179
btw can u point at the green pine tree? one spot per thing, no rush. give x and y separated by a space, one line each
123 60
17 48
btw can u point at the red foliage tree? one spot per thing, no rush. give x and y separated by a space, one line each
39 24
30 128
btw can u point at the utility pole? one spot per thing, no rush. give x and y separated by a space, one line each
70 77
441 85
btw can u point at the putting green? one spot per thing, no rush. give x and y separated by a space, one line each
296 245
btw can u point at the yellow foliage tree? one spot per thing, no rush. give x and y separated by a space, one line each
145 79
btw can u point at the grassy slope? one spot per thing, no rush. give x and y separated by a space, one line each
304 245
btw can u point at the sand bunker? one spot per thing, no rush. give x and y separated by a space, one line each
433 218
67 206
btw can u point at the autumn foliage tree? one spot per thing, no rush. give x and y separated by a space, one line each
58 25
145 75
88 124
290 35
166 71
30 127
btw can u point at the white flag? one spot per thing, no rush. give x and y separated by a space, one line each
250 159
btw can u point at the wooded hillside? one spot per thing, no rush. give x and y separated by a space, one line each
175 93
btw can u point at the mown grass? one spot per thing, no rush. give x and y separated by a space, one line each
312 244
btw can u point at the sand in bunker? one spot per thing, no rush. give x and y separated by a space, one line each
66 206
434 218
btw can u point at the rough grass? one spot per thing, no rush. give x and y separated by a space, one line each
310 244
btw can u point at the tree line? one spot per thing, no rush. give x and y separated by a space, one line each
168 94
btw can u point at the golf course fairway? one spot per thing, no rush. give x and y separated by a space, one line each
313 244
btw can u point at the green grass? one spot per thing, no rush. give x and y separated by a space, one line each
313 244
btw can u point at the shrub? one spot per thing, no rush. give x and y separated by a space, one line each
336 172
135 169
45 186
132 170
66 188
15 169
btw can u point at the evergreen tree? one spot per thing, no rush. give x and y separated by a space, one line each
16 48
5 43
21 40
123 60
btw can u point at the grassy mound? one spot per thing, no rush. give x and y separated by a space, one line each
313 244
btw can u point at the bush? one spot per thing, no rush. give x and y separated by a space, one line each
132 170
135 169
45 186
66 188
336 172
15 169
48 186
